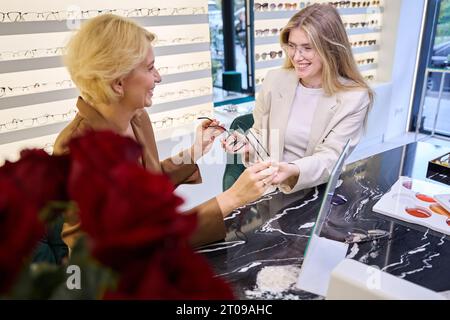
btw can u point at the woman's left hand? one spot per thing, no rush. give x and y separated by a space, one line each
205 135
288 173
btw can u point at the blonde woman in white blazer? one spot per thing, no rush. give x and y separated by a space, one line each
307 110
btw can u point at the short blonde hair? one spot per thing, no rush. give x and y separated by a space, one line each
325 30
106 48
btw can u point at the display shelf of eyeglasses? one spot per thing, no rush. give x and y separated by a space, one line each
62 15
187 118
54 25
25 123
35 88
12 136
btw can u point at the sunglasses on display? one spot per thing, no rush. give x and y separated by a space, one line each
363 43
362 24
271 54
266 32
366 61
17 16
274 6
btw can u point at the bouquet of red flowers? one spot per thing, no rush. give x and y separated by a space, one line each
136 241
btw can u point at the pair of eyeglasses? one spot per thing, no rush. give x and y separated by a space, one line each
185 67
306 52
259 80
243 144
266 32
271 54
369 77
363 24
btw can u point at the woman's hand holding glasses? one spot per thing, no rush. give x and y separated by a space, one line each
205 135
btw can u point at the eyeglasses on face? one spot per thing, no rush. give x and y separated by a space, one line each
271 54
36 121
306 52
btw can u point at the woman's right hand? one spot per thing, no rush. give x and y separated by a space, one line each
236 143
251 185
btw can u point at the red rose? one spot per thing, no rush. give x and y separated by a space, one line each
41 177
20 230
103 150
131 218
127 212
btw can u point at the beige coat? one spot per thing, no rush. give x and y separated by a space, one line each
210 227
337 118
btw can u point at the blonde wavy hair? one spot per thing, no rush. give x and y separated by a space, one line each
326 32
106 48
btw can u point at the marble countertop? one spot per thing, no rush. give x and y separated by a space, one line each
274 231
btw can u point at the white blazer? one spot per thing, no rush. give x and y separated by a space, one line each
337 118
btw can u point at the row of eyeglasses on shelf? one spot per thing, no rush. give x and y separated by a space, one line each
18 16
272 6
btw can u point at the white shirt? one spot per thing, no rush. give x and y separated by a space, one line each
299 123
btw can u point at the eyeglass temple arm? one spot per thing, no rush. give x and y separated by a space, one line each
251 144
258 142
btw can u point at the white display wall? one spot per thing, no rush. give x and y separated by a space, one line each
37 97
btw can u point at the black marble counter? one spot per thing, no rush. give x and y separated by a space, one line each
274 230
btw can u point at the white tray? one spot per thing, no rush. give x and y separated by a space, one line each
416 197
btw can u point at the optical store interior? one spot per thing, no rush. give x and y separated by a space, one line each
239 149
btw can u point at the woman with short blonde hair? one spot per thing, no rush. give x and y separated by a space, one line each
307 110
104 49
111 61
